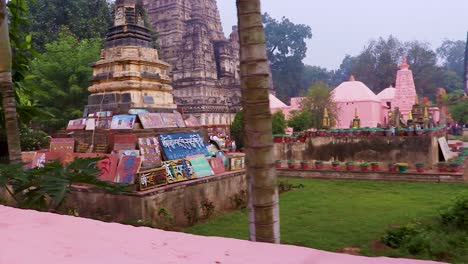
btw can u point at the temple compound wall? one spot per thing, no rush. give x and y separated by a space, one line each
379 149
204 64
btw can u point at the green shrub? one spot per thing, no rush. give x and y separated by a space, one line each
456 214
396 237
33 139
46 188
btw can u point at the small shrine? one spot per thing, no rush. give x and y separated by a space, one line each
129 74
326 119
356 120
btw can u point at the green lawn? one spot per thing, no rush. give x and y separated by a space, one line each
332 214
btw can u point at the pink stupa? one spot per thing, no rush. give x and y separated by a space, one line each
405 90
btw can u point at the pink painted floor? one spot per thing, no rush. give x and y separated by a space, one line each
33 237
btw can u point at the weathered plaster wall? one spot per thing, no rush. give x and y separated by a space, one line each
179 200
383 149
375 176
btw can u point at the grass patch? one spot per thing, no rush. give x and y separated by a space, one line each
333 214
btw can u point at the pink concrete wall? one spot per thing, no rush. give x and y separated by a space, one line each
33 237
369 112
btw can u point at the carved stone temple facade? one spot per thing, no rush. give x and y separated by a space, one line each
204 63
129 73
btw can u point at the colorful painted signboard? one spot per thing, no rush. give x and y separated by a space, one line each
236 163
103 123
200 165
129 152
217 165
192 121
151 152
151 120
180 145
123 122
179 170
90 124
125 142
62 144
77 124
151 179
127 169
108 167
28 158
39 160
177 119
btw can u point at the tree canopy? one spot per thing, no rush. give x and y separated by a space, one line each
62 74
376 65
84 18
278 122
317 99
301 120
286 48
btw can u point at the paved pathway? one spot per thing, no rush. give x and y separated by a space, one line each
32 237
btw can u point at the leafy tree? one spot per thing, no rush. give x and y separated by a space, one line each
344 72
301 120
85 19
237 129
62 73
23 54
314 74
286 48
450 80
423 62
458 106
452 54
7 89
317 99
377 64
278 122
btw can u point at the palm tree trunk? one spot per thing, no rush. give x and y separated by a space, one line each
7 91
255 82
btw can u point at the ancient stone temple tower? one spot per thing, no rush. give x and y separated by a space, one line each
129 74
204 63
405 90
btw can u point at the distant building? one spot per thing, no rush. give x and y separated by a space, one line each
354 97
204 63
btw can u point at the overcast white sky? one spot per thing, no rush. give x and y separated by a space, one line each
342 27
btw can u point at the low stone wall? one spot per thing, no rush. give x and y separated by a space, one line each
175 205
182 203
382 149
378 176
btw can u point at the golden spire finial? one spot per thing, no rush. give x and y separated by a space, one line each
352 79
426 114
404 64
326 119
410 117
356 113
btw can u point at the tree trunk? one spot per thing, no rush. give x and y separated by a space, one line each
258 138
7 90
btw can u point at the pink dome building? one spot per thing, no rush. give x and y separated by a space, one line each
354 96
